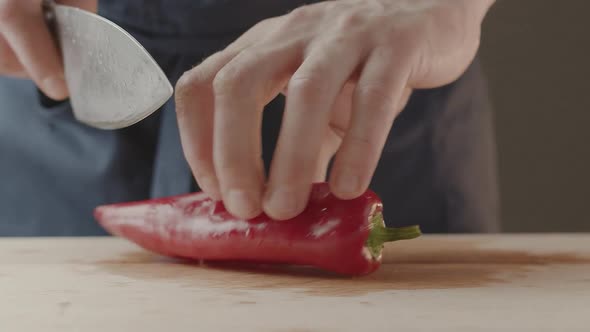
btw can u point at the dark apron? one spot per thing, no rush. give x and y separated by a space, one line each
437 168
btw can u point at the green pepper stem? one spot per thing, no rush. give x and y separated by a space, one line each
380 234
387 234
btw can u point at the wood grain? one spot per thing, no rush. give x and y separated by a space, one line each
445 283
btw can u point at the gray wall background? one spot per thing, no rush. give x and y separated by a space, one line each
536 54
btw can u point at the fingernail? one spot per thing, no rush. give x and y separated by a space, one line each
242 203
348 182
55 87
282 202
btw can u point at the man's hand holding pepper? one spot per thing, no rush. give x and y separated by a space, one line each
347 69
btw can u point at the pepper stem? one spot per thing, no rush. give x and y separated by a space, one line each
380 234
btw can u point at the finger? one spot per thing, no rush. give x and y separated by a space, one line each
195 109
312 92
9 64
194 114
339 119
242 88
23 25
380 88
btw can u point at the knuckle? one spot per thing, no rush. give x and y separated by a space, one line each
199 77
190 84
300 14
306 86
375 94
263 25
191 79
258 26
184 84
9 10
340 41
228 80
350 19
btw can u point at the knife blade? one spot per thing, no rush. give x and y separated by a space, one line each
112 79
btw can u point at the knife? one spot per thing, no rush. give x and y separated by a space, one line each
112 79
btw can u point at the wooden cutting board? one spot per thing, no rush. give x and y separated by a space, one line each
434 283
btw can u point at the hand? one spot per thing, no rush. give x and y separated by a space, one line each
26 47
347 69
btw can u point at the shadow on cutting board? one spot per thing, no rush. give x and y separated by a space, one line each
440 265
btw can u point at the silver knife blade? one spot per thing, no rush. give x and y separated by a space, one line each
112 79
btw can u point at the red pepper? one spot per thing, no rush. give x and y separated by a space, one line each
342 236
